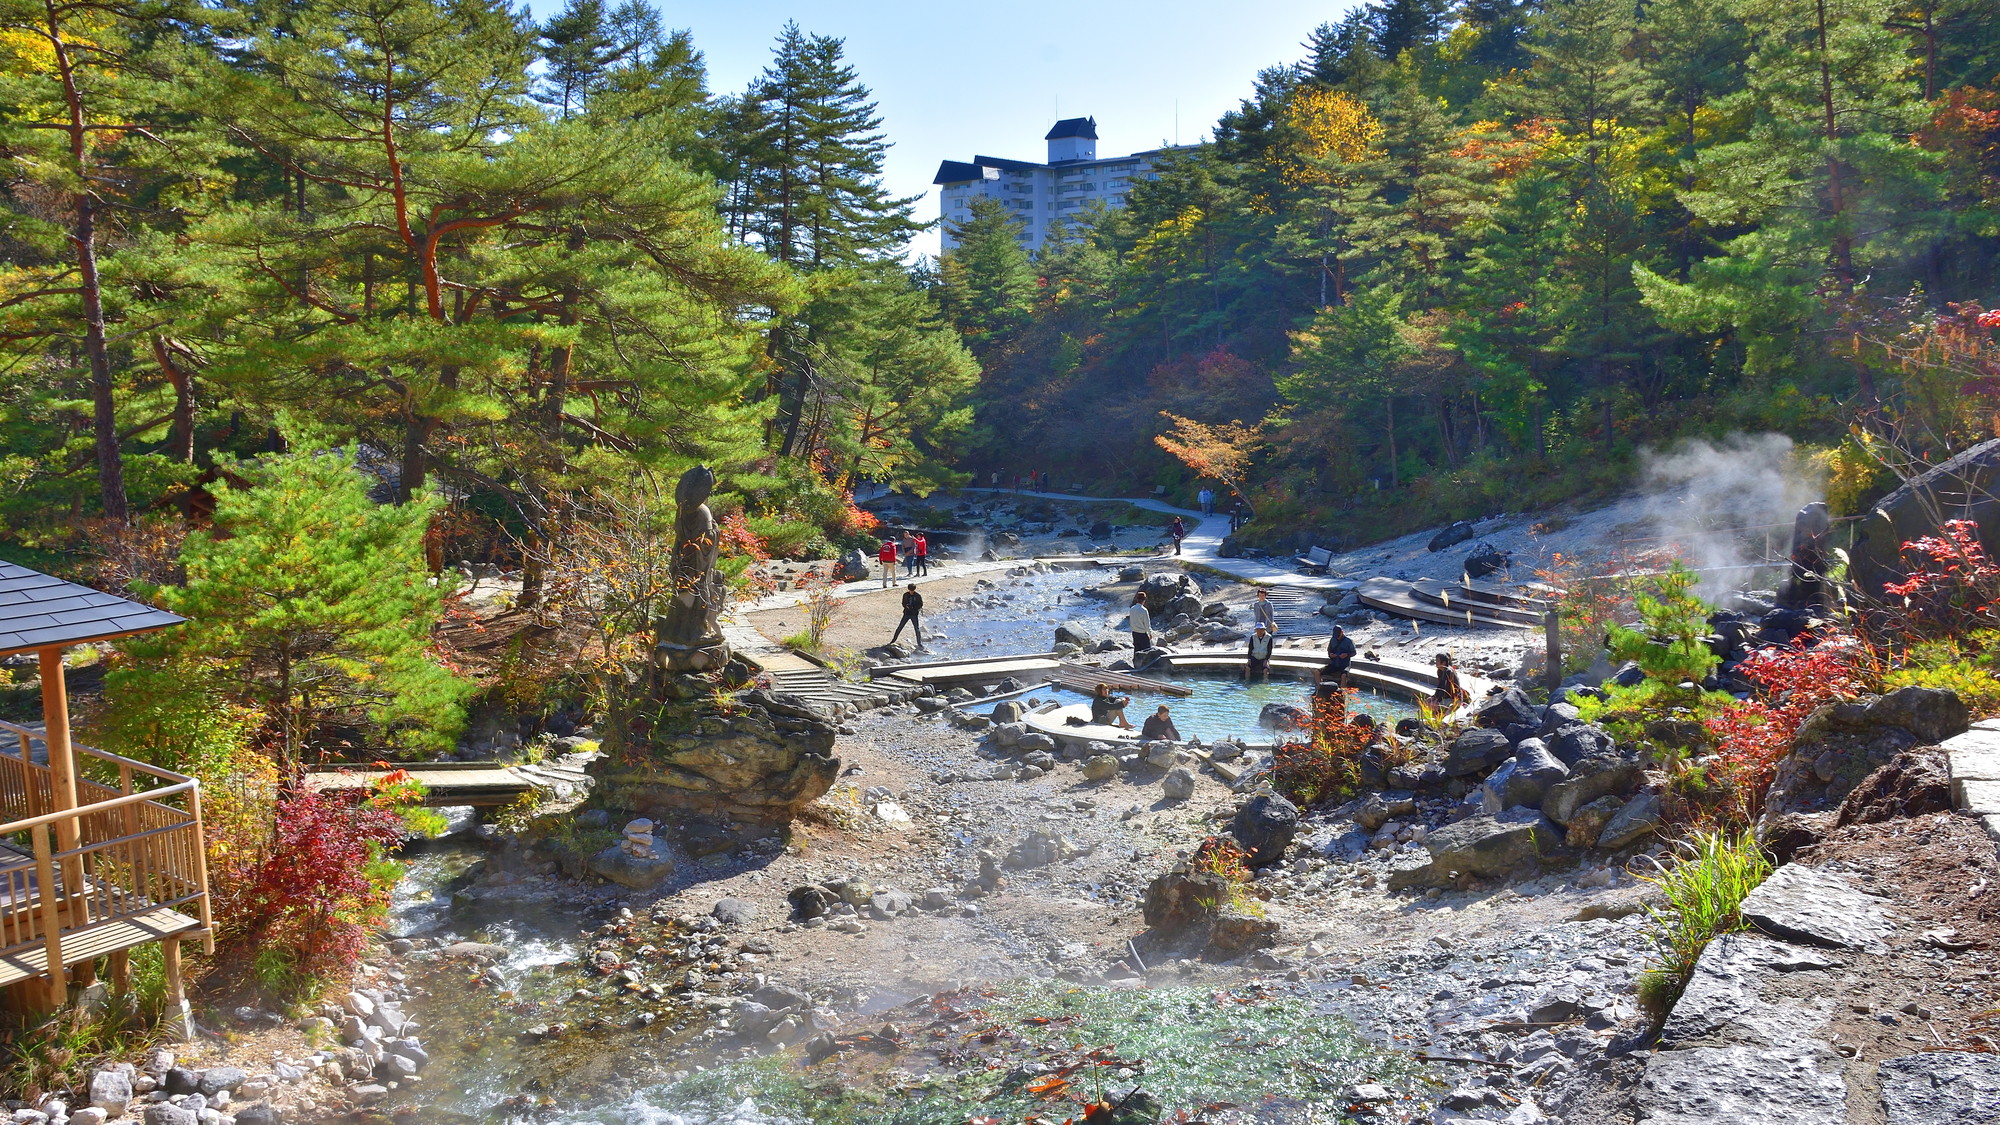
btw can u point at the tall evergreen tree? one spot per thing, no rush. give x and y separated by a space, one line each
583 43
986 284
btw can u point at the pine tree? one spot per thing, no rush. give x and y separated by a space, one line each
313 604
93 132
810 194
583 43
1406 25
521 305
1412 204
1584 79
1349 359
1694 51
986 284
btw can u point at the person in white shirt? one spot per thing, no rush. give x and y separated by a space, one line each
1140 622
1260 656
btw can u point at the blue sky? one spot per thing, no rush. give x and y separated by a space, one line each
958 78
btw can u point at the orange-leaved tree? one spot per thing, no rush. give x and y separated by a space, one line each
1221 450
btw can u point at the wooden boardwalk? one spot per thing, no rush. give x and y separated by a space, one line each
484 784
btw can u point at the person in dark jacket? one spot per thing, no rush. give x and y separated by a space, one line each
913 604
1159 725
1450 694
1339 655
1107 709
1178 531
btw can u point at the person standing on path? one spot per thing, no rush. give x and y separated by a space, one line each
913 604
1140 622
887 556
1263 613
1207 498
906 549
1178 530
923 555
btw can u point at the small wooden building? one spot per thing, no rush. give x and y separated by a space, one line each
98 853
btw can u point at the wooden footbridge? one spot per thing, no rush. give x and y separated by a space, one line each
482 784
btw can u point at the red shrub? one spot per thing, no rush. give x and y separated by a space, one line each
320 886
1753 735
1952 586
1326 763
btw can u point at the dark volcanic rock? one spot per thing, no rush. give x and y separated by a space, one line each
1179 899
1477 751
1590 779
1840 744
1265 826
1509 708
1233 934
1914 783
1574 742
1511 840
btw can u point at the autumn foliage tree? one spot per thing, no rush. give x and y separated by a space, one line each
1222 451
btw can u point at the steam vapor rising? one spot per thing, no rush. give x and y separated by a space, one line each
1700 493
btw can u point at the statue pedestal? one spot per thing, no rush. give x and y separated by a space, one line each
705 655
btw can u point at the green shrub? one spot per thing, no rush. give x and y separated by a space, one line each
1969 666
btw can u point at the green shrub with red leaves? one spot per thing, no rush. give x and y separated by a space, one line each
324 881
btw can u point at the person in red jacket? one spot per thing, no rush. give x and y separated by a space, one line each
887 555
923 554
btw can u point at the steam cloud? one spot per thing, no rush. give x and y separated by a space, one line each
1700 494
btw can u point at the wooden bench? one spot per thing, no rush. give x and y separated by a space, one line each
1315 561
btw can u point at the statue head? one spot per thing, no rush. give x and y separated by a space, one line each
694 487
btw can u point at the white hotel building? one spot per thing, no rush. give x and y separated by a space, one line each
1039 194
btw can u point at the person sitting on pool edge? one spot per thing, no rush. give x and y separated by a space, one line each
1260 655
1450 694
1107 709
1160 725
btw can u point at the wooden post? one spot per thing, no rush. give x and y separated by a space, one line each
200 849
62 773
179 1018
118 967
1552 636
45 874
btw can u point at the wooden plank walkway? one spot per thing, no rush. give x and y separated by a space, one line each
1084 678
483 784
1393 596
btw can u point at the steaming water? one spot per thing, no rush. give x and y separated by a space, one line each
1021 615
1223 708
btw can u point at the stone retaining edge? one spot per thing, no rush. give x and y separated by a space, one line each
1974 759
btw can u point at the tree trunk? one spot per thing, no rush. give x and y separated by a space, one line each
180 439
1395 473
1843 240
83 241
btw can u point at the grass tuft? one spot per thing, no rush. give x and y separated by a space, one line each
1705 881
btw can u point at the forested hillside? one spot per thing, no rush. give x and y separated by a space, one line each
537 265
1465 258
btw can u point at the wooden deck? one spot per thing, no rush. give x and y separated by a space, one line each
124 867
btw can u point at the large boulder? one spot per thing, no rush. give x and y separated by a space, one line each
1842 743
1452 536
1164 588
1586 825
757 763
1574 742
1233 934
1590 779
1483 845
1965 487
1523 779
1638 819
1914 783
1506 709
1477 751
1265 826
853 566
1077 633
1283 717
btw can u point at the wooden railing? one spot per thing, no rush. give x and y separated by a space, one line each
125 851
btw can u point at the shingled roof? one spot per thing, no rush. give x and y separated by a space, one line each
1085 127
39 611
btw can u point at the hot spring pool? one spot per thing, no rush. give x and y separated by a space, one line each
1226 708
